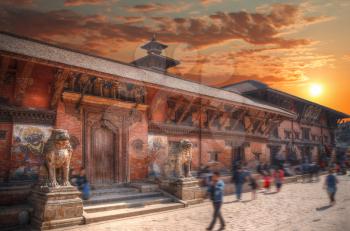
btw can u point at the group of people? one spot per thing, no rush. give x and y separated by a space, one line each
241 175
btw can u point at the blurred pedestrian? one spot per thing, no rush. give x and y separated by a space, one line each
216 192
331 186
279 178
253 185
83 184
267 182
239 179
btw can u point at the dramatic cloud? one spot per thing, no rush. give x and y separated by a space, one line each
18 2
255 28
208 2
158 7
130 19
83 2
266 54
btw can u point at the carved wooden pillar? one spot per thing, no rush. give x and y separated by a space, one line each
5 62
23 81
60 77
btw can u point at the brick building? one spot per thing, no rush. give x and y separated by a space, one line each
124 119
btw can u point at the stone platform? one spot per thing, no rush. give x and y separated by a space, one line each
56 207
186 189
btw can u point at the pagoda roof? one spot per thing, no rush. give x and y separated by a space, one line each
166 61
154 45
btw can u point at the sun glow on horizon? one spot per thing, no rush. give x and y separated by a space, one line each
315 90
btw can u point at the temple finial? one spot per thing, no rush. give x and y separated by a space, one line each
153 37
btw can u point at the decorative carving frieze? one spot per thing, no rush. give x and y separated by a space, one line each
23 115
112 89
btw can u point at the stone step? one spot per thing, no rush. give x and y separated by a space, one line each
14 215
119 197
128 212
98 192
145 186
141 202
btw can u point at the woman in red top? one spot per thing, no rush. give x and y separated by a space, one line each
267 182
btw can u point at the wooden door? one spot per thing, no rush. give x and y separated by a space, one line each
103 156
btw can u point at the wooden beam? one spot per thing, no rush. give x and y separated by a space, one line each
272 124
216 114
240 117
5 63
23 81
261 122
185 112
229 114
174 109
60 78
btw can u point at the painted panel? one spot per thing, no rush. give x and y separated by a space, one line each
27 150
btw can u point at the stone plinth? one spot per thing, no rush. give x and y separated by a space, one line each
56 207
186 189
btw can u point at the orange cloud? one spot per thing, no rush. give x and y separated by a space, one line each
208 2
158 7
83 2
275 58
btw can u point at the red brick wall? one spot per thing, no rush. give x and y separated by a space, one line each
38 95
66 119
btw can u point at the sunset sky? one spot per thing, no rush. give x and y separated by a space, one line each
301 47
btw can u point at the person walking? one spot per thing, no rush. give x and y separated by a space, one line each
239 179
279 178
267 182
331 186
253 184
216 192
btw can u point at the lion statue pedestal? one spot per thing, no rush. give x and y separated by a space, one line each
56 204
178 179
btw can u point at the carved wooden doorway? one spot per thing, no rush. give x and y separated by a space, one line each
104 156
106 137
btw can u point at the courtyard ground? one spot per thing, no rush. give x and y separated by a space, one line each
298 207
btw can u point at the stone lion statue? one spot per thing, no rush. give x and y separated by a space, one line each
179 163
57 155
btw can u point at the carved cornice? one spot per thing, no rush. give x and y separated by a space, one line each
100 101
173 129
25 115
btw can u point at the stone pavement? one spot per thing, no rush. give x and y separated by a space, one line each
298 207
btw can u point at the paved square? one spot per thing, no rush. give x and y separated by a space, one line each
298 207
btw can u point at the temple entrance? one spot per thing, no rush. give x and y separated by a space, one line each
106 152
104 156
238 154
275 158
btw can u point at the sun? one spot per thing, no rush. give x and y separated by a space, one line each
315 90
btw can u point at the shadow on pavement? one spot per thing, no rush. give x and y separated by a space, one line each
323 208
270 193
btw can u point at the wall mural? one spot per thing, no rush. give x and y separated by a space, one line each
27 148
